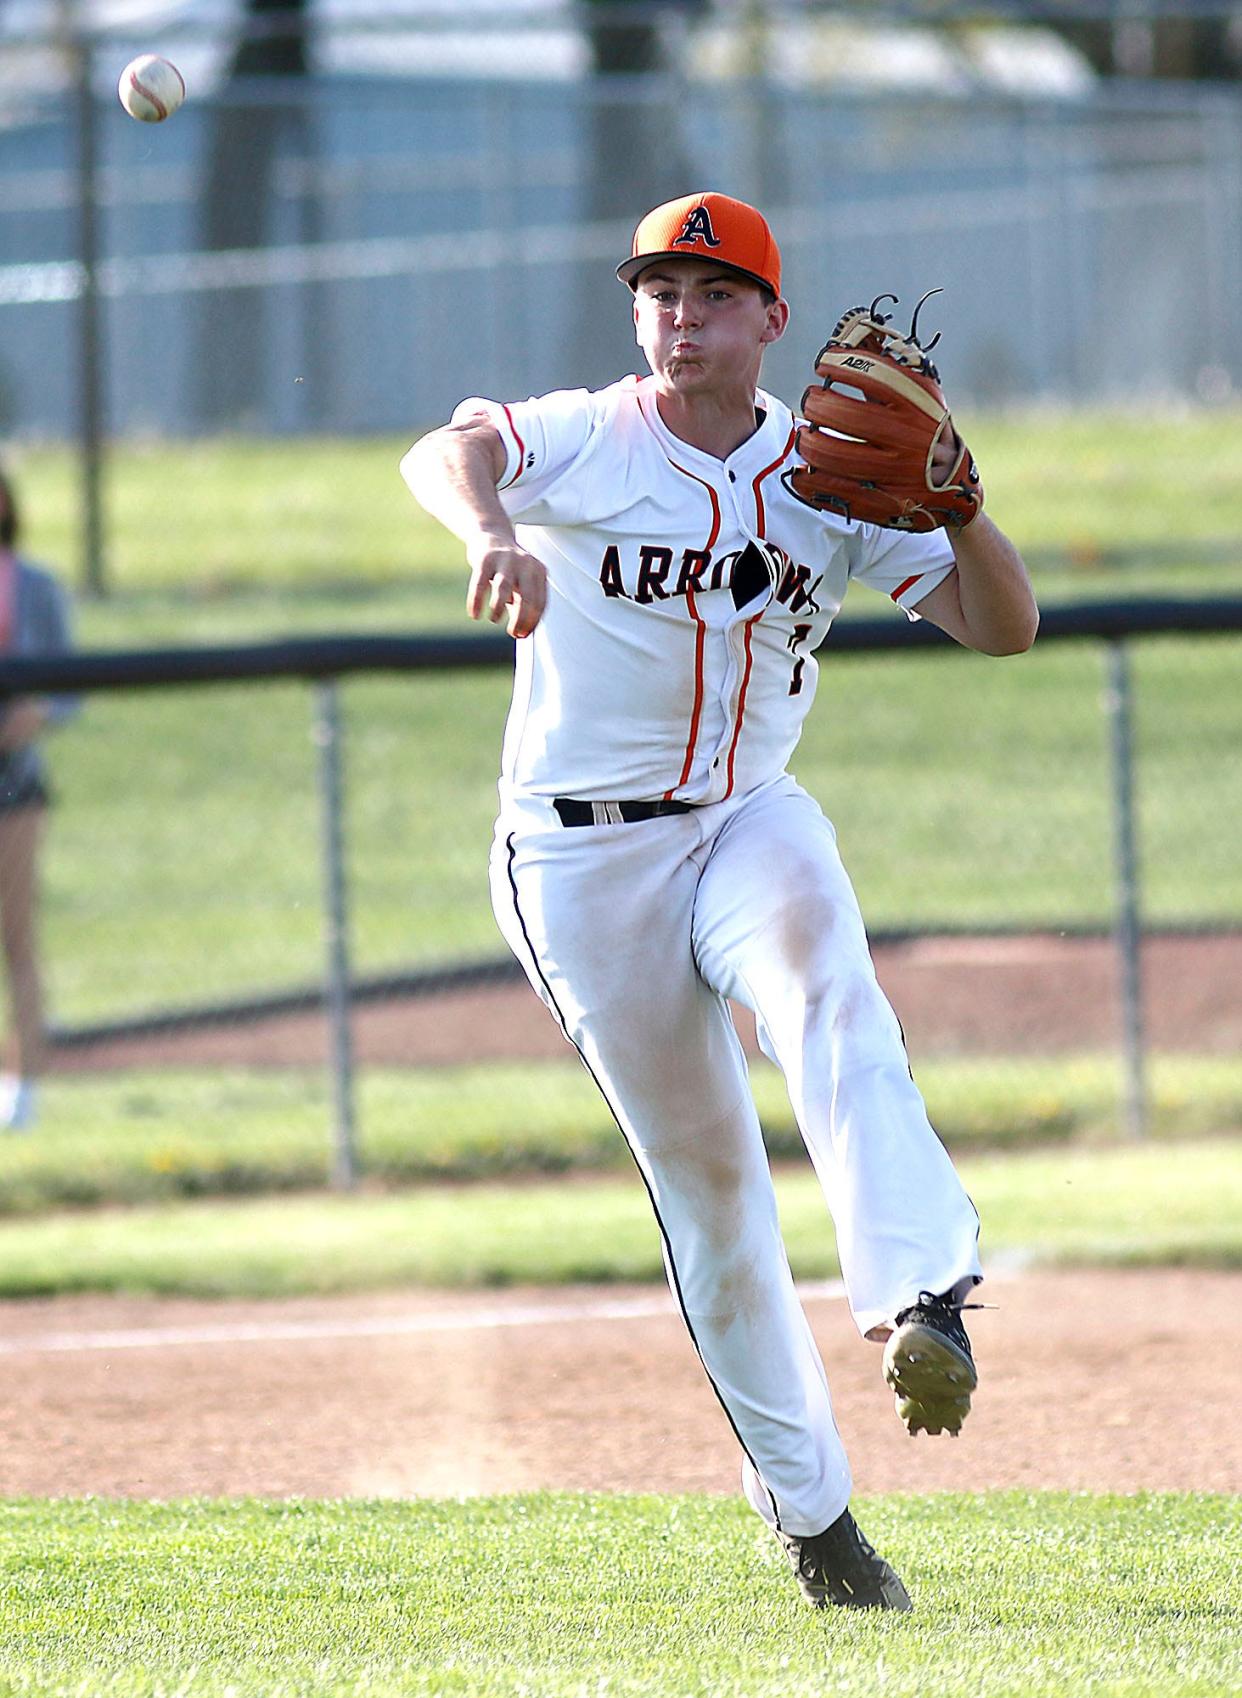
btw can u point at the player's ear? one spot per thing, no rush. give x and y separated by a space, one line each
778 321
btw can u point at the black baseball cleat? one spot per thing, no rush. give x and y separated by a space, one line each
927 1362
838 1566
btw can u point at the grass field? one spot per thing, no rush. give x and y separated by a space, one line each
1150 1205
1017 1595
157 1134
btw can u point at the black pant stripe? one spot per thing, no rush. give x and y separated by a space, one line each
668 1249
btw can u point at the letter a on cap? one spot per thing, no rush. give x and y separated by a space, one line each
698 228
706 226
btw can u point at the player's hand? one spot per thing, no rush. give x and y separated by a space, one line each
502 575
945 454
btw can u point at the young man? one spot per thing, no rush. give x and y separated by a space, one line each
653 858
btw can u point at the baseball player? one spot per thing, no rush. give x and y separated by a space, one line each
654 859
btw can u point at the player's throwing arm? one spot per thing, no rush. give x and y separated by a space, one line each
453 473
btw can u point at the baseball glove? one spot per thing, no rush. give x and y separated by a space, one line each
873 424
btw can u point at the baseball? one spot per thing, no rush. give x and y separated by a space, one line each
150 88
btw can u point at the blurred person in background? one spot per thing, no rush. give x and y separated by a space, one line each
34 619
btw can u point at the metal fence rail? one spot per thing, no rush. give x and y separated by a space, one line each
313 658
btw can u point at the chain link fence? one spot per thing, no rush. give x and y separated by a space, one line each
282 253
218 334
343 253
193 915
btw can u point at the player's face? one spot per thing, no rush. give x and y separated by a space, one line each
703 328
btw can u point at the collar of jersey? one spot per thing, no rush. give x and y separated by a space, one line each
757 450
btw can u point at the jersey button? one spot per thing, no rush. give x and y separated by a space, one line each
732 477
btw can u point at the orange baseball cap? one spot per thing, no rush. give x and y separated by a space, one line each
706 226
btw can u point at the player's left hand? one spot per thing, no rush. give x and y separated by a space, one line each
946 454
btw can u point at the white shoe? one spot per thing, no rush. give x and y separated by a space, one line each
17 1104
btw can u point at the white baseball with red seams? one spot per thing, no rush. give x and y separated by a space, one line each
151 88
674 663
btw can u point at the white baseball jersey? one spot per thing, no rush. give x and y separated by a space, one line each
686 595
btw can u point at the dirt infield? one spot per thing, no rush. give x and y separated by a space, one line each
1029 995
1094 1381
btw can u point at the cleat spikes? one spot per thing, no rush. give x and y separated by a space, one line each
929 1367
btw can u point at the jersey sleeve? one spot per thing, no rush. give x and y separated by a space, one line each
544 438
903 565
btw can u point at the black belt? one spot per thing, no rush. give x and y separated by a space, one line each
614 813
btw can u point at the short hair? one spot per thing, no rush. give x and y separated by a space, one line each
9 523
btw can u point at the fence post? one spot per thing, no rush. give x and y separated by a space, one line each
1126 924
336 933
90 338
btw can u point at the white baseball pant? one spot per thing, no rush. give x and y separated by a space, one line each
634 935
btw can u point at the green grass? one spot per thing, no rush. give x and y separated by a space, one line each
152 1135
185 862
967 790
1017 1595
1156 1205
249 512
1119 487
